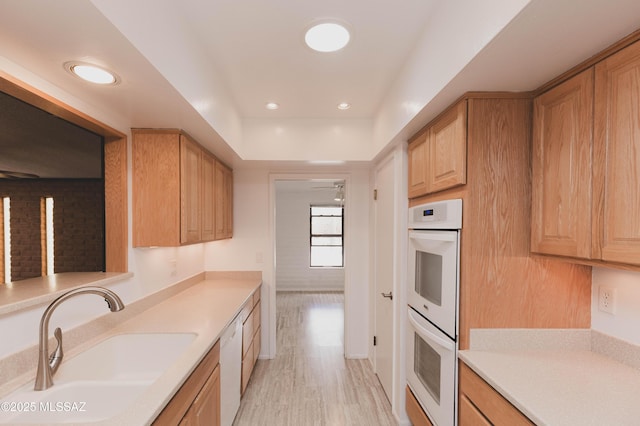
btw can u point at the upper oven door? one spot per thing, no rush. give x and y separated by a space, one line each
433 277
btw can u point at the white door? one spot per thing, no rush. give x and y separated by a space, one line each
384 272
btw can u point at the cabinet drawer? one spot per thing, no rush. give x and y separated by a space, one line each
247 334
256 345
247 368
246 310
256 318
256 297
489 403
469 414
414 410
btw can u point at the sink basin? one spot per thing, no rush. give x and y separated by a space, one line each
141 356
100 382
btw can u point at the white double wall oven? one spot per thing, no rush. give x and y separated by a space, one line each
433 300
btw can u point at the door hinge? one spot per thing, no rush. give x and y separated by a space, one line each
375 341
375 194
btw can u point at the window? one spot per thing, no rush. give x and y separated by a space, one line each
326 236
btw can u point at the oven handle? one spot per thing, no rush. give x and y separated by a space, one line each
428 334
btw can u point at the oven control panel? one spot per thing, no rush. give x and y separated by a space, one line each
438 215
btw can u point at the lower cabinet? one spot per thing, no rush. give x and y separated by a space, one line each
250 338
205 410
480 404
197 402
414 411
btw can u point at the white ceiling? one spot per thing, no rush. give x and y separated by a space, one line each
251 51
259 47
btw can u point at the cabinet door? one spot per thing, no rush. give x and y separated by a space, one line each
418 163
617 157
414 410
224 201
208 197
156 189
448 149
561 166
489 403
190 185
205 410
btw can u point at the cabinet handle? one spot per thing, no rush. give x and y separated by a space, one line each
388 295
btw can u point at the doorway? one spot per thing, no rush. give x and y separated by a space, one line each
295 201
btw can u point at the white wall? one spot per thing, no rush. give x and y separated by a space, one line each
293 272
307 139
625 323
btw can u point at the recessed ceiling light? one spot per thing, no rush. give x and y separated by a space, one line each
327 37
271 105
92 73
344 105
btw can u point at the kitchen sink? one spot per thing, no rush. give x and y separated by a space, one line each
98 383
142 356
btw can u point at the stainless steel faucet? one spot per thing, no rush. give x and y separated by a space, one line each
47 366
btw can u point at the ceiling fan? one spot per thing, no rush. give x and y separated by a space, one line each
8 174
338 187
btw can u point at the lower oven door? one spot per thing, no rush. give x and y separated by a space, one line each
432 369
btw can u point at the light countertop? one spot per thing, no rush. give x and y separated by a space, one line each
560 377
205 308
36 291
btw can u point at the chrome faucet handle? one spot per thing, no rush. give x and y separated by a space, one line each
56 357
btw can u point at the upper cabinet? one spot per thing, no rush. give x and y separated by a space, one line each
175 199
561 164
617 157
223 201
191 184
586 164
438 155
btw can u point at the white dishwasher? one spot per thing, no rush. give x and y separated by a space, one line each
230 371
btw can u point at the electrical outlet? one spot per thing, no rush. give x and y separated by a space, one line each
607 299
173 267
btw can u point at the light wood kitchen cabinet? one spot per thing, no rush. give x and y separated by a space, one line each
586 165
561 166
617 157
438 154
223 201
418 166
176 194
197 402
414 410
501 284
480 404
250 337
208 197
205 410
190 191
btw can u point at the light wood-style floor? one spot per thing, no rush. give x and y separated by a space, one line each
310 382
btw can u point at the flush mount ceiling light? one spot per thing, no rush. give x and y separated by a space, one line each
327 37
92 73
271 105
344 105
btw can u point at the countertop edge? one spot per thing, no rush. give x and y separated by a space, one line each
20 295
